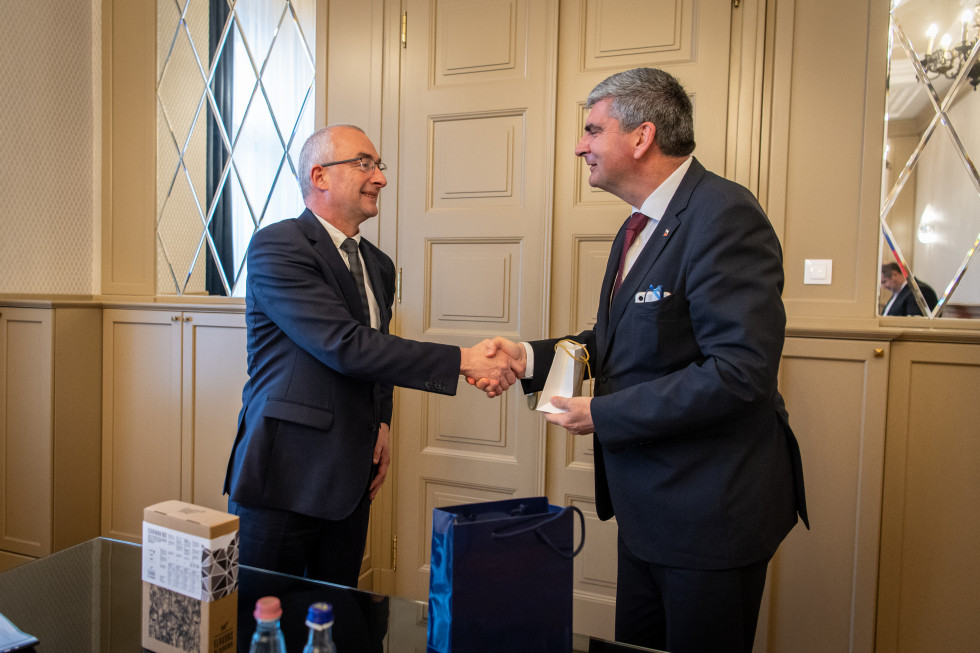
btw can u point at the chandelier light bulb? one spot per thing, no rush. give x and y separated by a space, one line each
931 33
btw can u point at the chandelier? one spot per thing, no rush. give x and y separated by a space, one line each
948 60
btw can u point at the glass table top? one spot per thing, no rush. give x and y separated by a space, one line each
88 598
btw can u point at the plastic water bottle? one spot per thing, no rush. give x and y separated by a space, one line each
320 620
268 635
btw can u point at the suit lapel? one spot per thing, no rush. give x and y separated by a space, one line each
651 251
663 232
322 243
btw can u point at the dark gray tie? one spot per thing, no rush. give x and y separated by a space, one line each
350 248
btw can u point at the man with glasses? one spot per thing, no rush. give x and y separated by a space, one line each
313 443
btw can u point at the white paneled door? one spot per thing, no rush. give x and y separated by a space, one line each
499 233
474 206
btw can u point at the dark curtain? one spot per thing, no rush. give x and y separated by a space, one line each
222 86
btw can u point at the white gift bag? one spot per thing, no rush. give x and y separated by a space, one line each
565 376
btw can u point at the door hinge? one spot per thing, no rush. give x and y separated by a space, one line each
398 285
736 3
404 29
394 552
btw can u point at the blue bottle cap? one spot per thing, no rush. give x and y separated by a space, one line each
319 614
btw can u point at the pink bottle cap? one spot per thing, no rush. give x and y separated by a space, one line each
267 608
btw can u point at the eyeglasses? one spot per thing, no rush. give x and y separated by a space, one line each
366 164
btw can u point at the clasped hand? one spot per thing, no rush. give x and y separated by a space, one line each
578 416
492 367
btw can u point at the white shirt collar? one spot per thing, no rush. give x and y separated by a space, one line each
336 235
654 206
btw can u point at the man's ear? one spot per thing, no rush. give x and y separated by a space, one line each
320 177
643 139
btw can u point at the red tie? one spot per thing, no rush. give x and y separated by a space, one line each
633 228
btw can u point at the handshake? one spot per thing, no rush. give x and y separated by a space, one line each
493 365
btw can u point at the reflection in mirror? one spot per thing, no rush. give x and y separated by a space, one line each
930 210
235 82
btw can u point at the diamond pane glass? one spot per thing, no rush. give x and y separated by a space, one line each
181 88
180 229
286 92
223 134
931 190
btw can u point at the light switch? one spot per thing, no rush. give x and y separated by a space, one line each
818 271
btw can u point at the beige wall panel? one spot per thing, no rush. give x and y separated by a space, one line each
594 580
214 371
10 560
77 425
354 61
477 161
129 131
822 581
929 594
827 116
471 287
141 417
479 36
467 424
589 266
625 34
52 113
26 447
579 451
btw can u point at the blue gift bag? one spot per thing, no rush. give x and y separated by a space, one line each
501 577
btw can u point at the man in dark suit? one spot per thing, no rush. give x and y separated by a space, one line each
693 450
903 301
313 443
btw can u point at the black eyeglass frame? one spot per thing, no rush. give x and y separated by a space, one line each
360 159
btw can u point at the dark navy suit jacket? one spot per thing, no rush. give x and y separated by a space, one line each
320 380
693 450
905 303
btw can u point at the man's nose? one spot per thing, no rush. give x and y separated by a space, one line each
581 148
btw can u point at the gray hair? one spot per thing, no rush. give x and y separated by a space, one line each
650 95
317 149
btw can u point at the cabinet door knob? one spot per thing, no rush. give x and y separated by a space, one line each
879 352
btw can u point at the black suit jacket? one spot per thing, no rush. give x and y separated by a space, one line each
693 450
905 303
320 381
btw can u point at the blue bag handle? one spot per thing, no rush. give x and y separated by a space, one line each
536 527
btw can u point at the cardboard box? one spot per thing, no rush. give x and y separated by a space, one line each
190 579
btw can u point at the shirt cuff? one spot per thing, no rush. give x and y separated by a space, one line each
529 354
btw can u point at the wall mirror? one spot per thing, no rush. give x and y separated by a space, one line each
930 209
235 86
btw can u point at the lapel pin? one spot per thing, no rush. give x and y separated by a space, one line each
666 231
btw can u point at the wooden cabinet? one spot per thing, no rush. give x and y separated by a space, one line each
172 391
822 582
929 583
49 428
